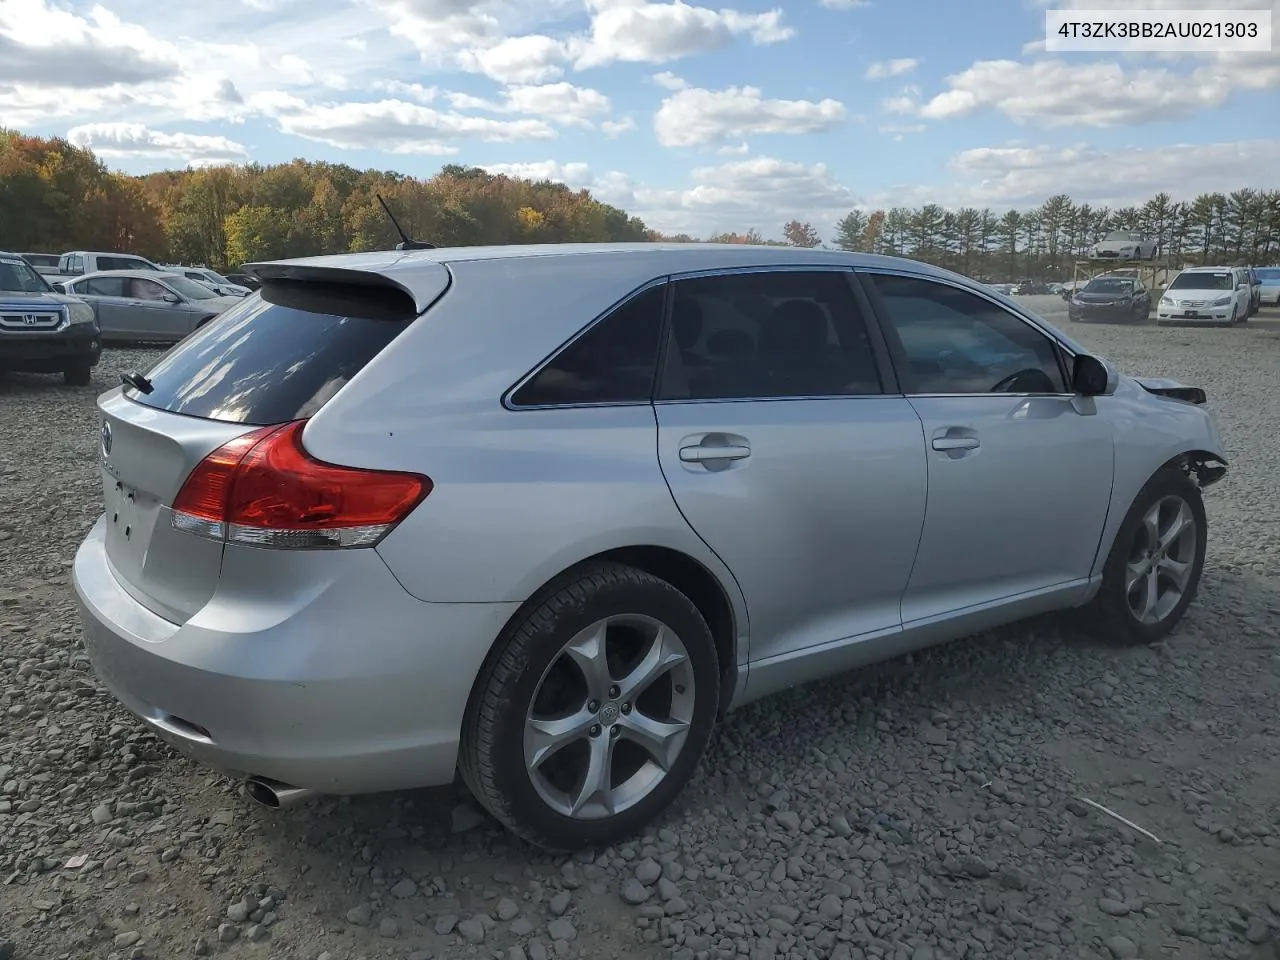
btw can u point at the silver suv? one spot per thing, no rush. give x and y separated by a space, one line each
542 515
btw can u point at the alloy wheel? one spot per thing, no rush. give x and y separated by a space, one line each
609 717
1161 559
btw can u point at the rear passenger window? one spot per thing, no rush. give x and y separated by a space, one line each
613 362
769 334
261 363
120 263
104 287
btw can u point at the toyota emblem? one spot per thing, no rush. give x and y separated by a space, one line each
106 438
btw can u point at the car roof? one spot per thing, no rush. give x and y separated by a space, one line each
141 274
660 258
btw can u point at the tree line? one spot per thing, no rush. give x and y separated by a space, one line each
1241 227
55 196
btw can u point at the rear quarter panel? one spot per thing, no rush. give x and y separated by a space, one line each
518 495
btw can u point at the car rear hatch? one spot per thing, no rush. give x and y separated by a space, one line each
272 359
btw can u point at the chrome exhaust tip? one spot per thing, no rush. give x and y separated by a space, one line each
274 794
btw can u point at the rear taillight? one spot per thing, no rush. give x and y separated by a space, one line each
264 489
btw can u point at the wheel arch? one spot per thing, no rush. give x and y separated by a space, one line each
1204 467
686 574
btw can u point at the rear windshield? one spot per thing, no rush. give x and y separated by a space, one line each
1203 281
261 363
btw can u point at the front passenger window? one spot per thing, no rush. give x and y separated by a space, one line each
954 341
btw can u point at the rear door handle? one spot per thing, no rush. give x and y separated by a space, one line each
955 443
696 453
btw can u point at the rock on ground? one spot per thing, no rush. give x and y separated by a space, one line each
925 808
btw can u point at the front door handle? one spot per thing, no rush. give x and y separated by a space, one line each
955 443
697 453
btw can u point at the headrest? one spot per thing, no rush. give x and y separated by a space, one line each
796 326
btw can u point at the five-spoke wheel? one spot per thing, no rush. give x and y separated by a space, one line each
610 716
1153 570
594 708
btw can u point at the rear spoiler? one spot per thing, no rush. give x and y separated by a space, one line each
336 290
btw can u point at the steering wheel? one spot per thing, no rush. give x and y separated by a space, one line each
1041 382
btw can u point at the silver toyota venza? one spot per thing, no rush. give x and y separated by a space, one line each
539 516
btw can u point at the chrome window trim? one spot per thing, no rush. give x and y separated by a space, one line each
1017 312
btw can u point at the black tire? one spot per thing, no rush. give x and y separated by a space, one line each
491 753
1110 610
78 375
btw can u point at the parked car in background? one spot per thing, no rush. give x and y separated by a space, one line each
1124 245
1268 286
1032 288
1110 298
244 280
145 305
1255 290
511 473
45 264
80 262
42 331
1206 294
216 282
1004 288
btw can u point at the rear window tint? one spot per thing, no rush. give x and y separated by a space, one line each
261 363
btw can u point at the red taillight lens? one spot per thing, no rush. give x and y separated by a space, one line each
265 489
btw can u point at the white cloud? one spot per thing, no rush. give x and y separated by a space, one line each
906 102
415 91
761 193
636 31
120 140
561 102
45 46
891 68
395 126
694 116
506 40
900 130
527 59
615 128
1022 176
1057 92
669 80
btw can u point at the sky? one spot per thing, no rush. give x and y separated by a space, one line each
696 118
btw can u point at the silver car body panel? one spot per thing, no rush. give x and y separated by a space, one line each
843 538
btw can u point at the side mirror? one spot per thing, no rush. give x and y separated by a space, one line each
1066 294
172 298
1091 377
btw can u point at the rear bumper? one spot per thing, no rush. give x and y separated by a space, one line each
351 686
50 352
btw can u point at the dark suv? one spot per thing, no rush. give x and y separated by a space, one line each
42 331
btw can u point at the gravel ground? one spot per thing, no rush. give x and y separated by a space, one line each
934 807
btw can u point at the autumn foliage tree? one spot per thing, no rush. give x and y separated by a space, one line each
55 197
